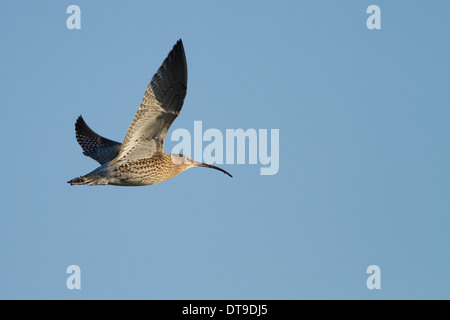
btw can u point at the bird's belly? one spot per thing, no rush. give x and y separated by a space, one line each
132 181
137 173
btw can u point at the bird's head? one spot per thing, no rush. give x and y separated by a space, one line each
186 162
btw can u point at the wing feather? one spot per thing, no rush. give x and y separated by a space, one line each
160 106
95 146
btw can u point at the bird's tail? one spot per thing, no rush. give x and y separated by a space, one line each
83 180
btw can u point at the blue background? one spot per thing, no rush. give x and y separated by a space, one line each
364 151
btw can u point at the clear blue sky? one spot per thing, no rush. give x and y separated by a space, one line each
364 151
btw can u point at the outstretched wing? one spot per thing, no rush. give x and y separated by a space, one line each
160 106
95 146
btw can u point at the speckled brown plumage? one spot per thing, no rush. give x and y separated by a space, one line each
140 159
150 171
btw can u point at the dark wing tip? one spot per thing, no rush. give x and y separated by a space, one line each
81 128
178 57
170 81
178 46
95 146
79 123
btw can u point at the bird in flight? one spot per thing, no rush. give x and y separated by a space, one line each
140 160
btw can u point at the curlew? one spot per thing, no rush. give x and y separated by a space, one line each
140 160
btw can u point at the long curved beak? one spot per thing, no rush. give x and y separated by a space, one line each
199 164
